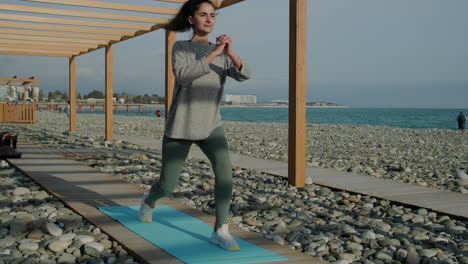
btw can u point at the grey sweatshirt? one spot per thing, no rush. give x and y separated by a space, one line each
199 86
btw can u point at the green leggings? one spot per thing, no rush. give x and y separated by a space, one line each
174 153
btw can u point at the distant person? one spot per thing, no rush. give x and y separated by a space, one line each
158 113
461 121
66 110
200 69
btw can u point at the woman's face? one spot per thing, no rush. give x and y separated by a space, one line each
204 19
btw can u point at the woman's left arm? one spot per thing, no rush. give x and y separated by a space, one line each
236 68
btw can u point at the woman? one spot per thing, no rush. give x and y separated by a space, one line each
200 68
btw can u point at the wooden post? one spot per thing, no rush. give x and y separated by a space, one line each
108 105
72 92
297 92
170 79
25 93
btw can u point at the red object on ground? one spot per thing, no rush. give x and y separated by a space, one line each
80 108
91 108
128 108
140 108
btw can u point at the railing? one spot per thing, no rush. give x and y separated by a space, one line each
17 113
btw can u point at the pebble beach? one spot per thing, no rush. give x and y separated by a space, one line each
435 158
336 226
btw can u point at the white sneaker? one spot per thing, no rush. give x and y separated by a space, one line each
145 214
222 238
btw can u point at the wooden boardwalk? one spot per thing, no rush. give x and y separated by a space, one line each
447 202
83 189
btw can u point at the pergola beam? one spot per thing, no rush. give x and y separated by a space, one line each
46 43
25 25
172 1
76 22
227 3
11 83
38 47
58 34
86 14
53 39
30 53
19 80
65 53
112 5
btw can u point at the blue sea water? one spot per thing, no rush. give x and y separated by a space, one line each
394 117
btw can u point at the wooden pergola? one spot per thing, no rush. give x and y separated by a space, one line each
69 37
21 82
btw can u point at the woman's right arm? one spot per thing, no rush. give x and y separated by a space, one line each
186 71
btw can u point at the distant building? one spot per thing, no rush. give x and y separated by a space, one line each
13 93
8 92
99 101
121 100
240 99
36 93
280 102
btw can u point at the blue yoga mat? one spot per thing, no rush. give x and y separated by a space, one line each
186 237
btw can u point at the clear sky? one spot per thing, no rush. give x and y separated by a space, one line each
361 53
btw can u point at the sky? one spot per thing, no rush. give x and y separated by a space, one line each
361 53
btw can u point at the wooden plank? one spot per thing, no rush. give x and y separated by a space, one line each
20 80
76 22
18 113
138 33
34 53
87 14
54 39
72 91
47 43
27 32
67 53
170 79
297 92
109 114
37 47
227 3
113 5
172 1
26 25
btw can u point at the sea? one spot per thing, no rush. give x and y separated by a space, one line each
392 117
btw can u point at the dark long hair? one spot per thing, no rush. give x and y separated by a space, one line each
180 22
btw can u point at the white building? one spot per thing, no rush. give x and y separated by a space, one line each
240 99
11 92
36 93
99 101
8 92
280 101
